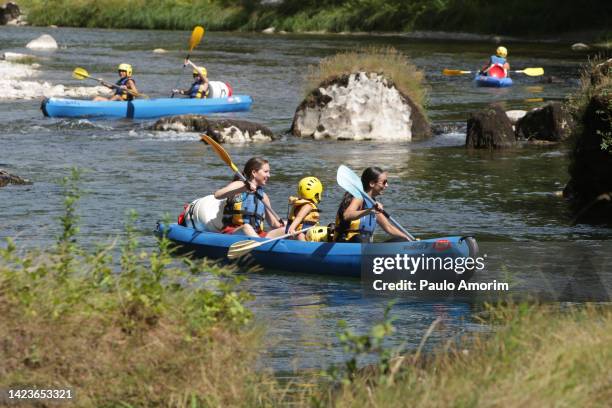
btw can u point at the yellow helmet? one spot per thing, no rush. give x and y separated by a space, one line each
310 188
317 234
501 52
125 67
202 70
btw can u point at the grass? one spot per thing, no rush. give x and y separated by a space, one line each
387 61
542 17
538 356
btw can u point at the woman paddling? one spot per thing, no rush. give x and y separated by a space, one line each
356 220
245 210
124 84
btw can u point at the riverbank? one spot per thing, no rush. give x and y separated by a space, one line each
537 19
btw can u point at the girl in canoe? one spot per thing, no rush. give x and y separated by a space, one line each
498 65
245 210
303 211
356 220
125 83
200 86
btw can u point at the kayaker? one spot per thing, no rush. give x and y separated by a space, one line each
498 65
356 220
124 83
200 86
303 211
245 213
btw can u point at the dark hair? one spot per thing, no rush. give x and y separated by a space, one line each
253 164
368 175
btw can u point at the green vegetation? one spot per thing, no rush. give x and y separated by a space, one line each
386 61
144 329
518 17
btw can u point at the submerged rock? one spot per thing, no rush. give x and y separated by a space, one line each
9 12
361 106
551 123
159 51
580 47
223 131
269 30
489 129
44 42
8 178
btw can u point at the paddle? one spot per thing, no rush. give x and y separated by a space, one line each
194 40
81 73
349 181
526 71
228 160
237 249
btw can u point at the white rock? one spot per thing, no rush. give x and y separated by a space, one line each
15 56
44 42
233 134
159 51
515 115
366 109
269 30
580 47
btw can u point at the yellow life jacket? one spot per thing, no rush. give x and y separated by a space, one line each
245 208
295 204
363 227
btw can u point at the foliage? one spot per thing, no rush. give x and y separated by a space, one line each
387 61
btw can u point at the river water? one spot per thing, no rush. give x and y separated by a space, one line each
436 187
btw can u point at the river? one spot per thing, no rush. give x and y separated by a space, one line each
436 186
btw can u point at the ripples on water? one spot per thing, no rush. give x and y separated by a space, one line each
436 187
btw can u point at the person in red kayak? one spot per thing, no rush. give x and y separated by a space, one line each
498 65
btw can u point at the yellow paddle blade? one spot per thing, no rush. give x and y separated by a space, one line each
196 37
454 72
220 151
80 73
237 249
532 71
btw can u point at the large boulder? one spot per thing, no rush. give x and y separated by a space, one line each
590 185
489 129
551 122
8 178
9 11
223 131
44 42
361 106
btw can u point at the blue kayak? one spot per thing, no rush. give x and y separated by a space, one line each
143 108
492 82
326 258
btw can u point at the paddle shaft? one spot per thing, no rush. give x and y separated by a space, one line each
390 218
108 84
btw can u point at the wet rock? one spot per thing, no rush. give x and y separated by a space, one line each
580 47
269 30
44 42
9 11
360 106
159 51
515 115
590 185
8 178
551 79
223 131
601 71
15 56
489 129
551 122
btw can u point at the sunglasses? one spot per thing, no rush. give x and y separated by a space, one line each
384 182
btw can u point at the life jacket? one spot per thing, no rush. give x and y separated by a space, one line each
496 69
295 205
363 227
245 208
196 90
122 92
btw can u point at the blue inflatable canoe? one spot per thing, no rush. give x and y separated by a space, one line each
492 82
143 108
326 258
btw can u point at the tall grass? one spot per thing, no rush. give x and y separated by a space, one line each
386 61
